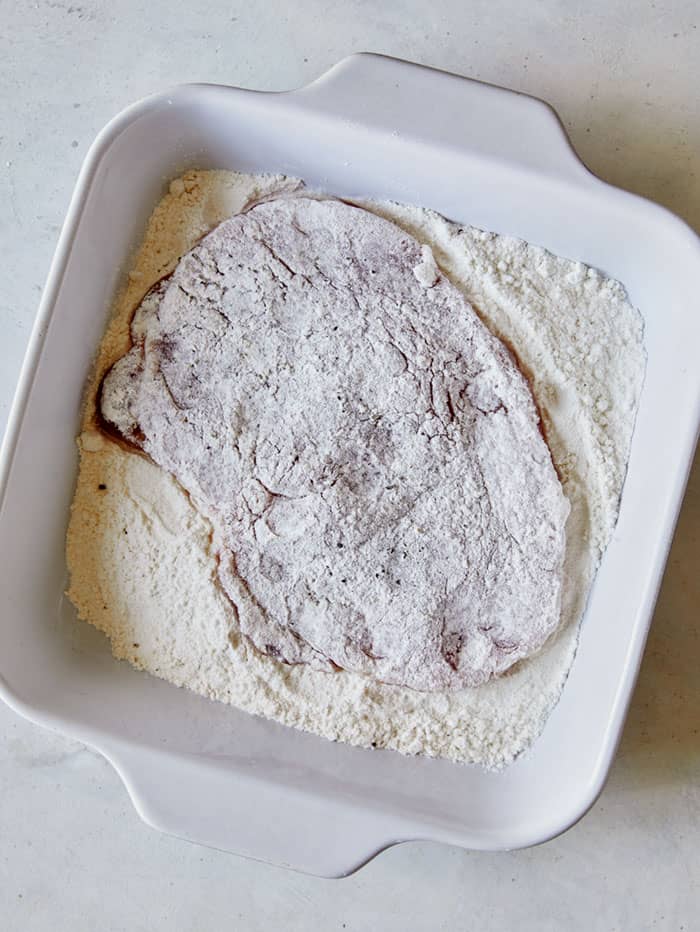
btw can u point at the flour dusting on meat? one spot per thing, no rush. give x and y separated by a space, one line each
368 454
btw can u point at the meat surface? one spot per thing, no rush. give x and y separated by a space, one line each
367 452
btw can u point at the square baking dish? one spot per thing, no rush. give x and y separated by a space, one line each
377 127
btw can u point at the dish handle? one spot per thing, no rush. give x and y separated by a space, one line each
201 799
415 101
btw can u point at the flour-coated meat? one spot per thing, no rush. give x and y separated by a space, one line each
368 453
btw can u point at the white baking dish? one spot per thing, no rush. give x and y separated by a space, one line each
378 127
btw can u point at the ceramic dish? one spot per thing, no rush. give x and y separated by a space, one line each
375 127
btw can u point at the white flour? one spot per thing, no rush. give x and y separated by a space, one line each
140 556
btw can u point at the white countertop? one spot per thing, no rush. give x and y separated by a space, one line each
624 77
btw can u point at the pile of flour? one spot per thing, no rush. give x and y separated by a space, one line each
141 558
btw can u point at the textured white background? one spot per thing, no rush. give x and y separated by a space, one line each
624 76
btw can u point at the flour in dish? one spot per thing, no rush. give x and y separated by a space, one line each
154 589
